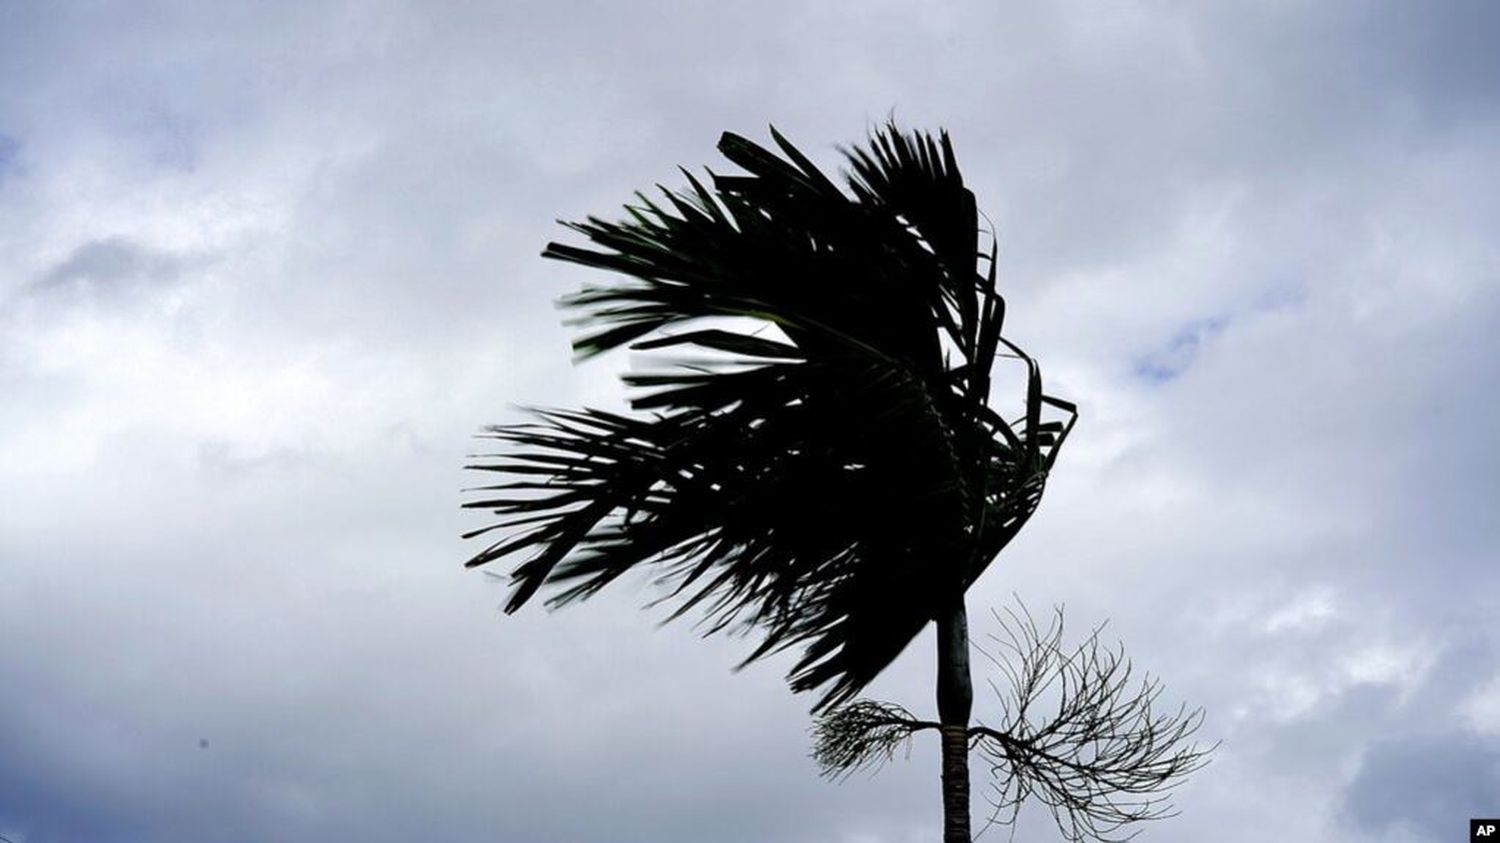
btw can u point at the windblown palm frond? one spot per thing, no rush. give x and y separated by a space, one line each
833 472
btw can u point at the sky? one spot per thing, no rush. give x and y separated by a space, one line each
265 268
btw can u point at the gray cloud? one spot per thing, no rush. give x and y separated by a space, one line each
1254 241
110 263
9 150
1428 784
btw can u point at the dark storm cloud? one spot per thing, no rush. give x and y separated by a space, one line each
1430 784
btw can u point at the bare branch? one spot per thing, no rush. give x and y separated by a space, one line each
1076 734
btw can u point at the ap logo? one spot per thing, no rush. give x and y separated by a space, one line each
1486 830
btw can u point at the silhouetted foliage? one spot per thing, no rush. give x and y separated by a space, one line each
829 470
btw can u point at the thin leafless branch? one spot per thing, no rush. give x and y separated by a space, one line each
1074 733
1077 734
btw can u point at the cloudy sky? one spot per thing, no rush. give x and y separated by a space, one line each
265 268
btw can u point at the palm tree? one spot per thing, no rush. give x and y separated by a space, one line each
828 472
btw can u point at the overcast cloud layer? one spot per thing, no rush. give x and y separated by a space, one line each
265 267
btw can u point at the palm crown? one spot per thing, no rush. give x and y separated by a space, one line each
828 471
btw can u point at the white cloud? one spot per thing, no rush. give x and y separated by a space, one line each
1481 709
292 262
1306 612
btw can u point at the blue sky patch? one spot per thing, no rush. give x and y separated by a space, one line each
1174 358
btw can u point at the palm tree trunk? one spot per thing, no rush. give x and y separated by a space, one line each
955 699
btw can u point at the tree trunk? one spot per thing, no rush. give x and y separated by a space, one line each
955 699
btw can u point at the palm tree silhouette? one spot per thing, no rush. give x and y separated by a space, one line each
828 471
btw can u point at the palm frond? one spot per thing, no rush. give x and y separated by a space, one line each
825 478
